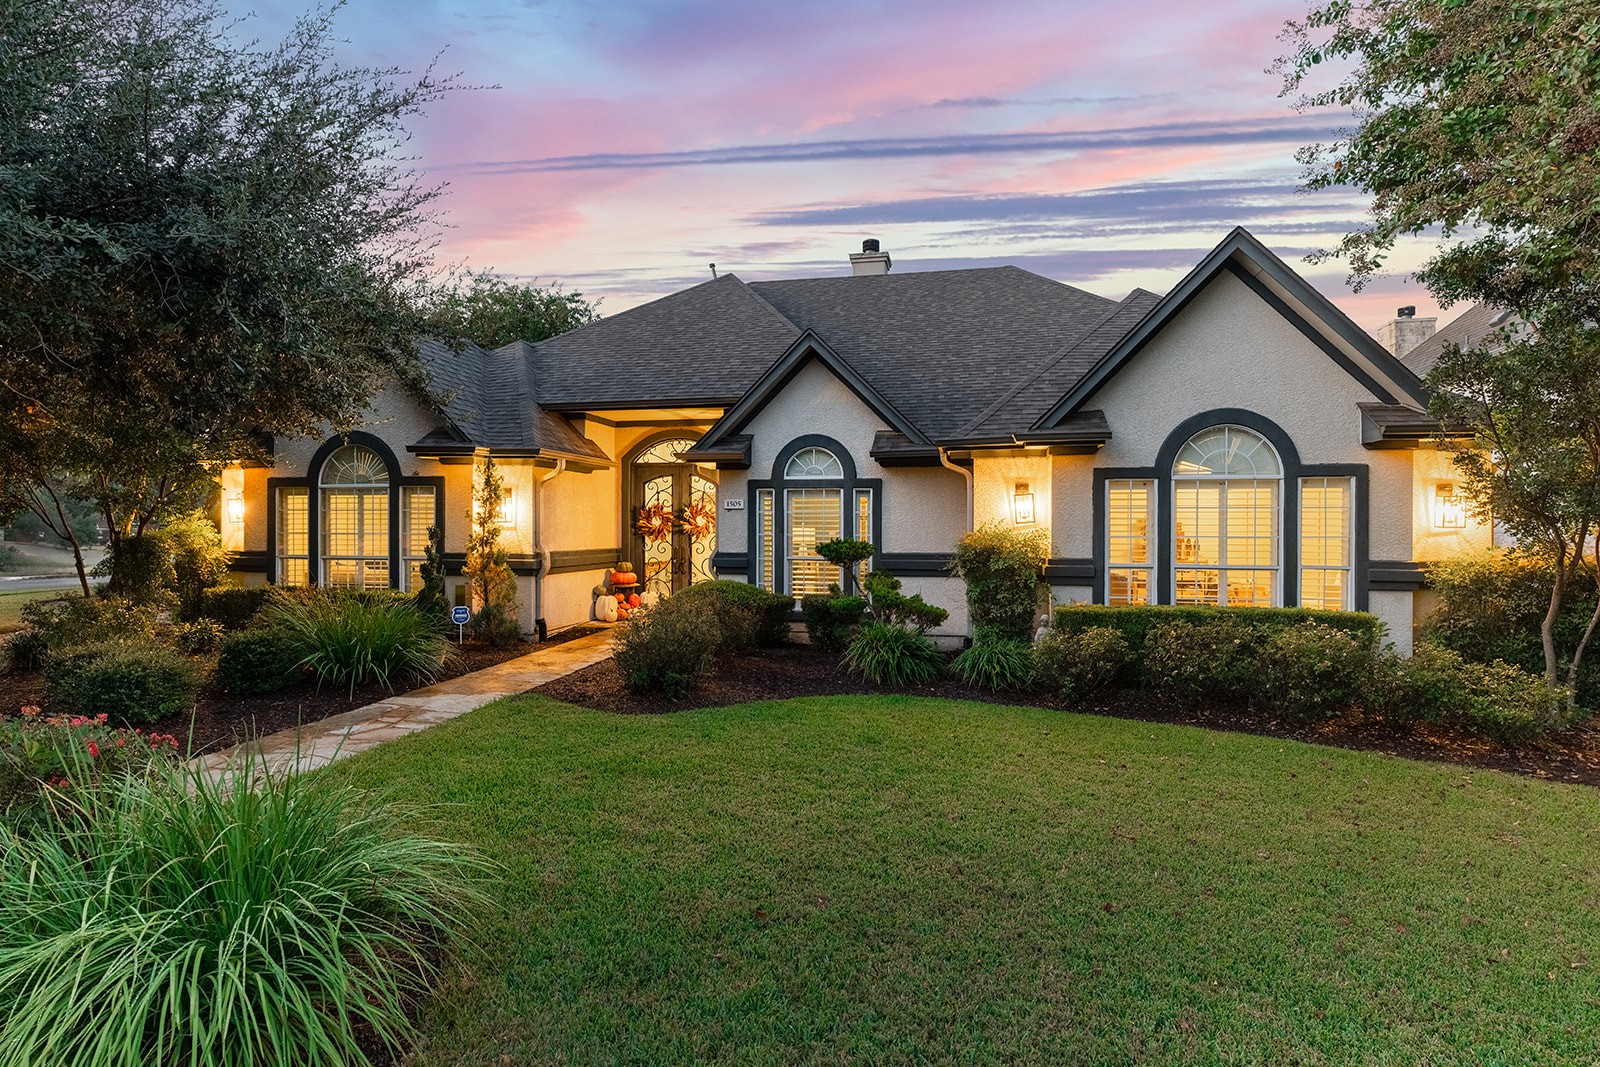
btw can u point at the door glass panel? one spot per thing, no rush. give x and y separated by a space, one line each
657 563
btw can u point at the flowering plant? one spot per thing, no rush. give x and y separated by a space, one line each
60 751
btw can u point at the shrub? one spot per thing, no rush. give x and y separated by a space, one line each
177 918
26 650
1002 567
832 620
234 606
996 663
350 640
887 604
129 681
1073 665
848 554
749 615
193 545
1311 671
887 654
1136 622
668 648
257 661
1498 700
430 596
492 585
61 752
1491 605
197 637
1202 663
73 621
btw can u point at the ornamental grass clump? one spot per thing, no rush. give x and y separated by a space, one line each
886 653
181 919
348 640
994 662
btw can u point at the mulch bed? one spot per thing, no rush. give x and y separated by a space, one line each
798 671
221 720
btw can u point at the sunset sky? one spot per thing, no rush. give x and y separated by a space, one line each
629 145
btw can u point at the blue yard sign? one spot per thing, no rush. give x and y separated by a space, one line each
460 615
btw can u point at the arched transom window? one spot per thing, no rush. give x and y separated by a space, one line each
814 463
1226 495
355 519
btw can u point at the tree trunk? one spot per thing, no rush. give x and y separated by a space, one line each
1547 626
1577 656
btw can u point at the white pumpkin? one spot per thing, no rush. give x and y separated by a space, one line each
605 608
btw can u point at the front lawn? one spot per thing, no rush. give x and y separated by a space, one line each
892 880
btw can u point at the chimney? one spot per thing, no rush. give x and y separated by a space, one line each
869 260
1405 331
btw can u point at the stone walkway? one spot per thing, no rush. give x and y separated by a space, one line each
318 744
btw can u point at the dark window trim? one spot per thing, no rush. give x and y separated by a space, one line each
309 482
1289 506
777 483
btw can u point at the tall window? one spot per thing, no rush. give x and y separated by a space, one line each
1226 482
294 538
1325 543
418 511
814 516
355 519
764 541
1129 561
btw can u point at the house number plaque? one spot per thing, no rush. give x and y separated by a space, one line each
733 503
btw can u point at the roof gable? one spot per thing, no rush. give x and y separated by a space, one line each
1247 259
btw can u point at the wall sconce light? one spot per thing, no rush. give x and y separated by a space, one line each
1449 510
236 510
508 507
1022 506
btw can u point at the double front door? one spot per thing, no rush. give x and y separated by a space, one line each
678 502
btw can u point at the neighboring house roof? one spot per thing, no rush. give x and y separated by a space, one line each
1465 331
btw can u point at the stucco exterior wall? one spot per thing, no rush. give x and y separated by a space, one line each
923 509
1230 349
1430 468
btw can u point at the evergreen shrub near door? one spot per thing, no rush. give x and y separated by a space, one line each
832 620
750 616
1003 569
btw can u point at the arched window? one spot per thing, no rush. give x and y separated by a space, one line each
1227 485
813 463
354 484
814 497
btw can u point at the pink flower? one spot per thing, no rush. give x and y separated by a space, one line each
30 711
94 750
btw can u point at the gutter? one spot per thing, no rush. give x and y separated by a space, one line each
539 549
966 473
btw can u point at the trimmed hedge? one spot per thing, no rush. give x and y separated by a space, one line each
831 621
748 614
1136 622
233 605
257 661
131 682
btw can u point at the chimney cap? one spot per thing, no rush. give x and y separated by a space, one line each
1407 312
869 245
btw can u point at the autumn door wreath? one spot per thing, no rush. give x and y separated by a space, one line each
654 523
699 520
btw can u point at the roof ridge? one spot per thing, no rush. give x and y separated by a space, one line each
746 287
1067 350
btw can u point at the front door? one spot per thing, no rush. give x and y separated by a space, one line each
672 517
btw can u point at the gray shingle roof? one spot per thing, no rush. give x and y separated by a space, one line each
491 400
941 345
706 343
1466 330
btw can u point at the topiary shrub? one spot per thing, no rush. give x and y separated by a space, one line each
749 615
832 620
234 606
848 554
1071 666
668 648
347 640
1309 672
250 662
131 682
1202 663
995 663
888 654
886 603
1003 568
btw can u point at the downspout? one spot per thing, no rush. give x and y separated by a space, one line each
944 461
540 550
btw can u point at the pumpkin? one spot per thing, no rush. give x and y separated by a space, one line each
633 600
624 578
605 609
599 590
625 567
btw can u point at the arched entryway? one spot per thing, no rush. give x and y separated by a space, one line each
672 515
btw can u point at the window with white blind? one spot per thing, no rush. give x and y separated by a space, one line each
293 506
1130 565
763 563
1325 543
418 512
354 520
1226 482
813 516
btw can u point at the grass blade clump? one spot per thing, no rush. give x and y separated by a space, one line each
177 918
348 640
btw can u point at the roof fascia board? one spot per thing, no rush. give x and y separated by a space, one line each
807 347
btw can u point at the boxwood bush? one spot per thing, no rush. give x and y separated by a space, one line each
832 620
1003 569
257 661
1498 700
1311 671
132 682
1136 622
750 616
1071 666
234 606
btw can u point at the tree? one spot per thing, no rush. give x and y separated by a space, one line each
1478 117
491 311
1531 402
490 582
203 241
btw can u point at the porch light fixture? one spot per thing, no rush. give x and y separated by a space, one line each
236 510
508 507
1022 506
1449 510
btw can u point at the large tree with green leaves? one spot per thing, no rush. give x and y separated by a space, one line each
1478 119
202 239
490 310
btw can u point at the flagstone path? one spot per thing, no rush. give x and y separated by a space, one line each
318 744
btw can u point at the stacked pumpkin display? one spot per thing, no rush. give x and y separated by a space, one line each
618 597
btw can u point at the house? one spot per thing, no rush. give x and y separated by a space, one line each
1236 441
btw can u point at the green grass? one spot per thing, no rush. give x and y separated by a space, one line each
892 880
11 606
